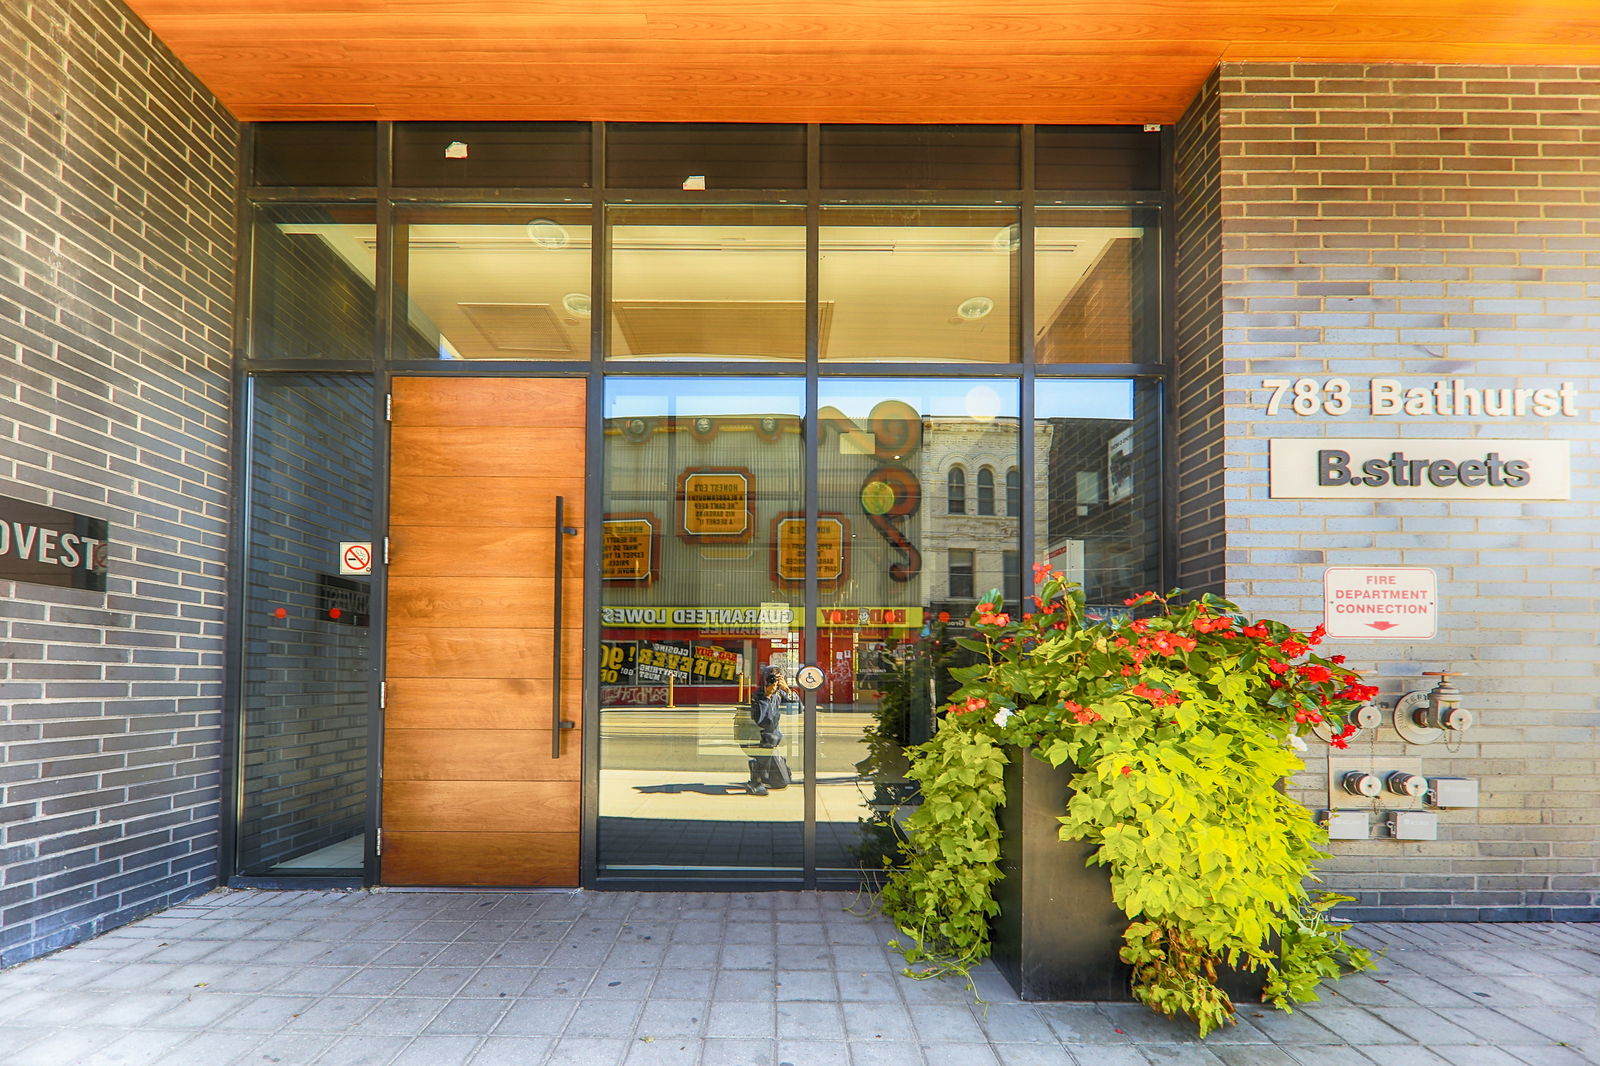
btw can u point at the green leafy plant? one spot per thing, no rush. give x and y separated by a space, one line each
1181 722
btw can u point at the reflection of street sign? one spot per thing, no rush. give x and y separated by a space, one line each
355 557
809 678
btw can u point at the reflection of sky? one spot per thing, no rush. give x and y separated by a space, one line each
984 400
1104 398
690 397
855 398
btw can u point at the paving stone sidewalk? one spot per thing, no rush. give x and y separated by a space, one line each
331 978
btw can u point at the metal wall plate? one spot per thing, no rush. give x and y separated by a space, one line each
1382 767
1409 730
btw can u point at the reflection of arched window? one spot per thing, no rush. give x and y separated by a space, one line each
1013 493
955 494
985 491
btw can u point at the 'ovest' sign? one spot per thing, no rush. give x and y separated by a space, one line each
47 546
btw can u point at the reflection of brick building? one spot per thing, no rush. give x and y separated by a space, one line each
1103 504
983 456
1097 322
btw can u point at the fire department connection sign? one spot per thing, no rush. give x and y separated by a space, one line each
1393 602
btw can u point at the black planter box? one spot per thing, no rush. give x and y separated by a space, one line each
1058 933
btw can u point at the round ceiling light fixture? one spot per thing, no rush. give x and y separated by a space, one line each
1008 239
576 304
547 233
975 308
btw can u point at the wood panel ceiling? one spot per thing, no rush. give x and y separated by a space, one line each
1045 61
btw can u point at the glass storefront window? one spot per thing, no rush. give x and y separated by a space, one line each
923 497
918 284
708 283
914 571
550 155
308 651
869 156
1096 288
313 282
492 283
703 497
1098 504
705 155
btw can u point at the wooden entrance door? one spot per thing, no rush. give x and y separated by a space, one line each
472 794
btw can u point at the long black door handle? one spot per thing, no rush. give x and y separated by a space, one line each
557 725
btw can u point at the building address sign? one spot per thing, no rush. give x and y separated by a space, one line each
1391 398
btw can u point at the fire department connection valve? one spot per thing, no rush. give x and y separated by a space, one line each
1400 783
1363 717
1424 717
1361 783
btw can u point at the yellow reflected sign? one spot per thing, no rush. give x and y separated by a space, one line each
789 549
629 549
714 505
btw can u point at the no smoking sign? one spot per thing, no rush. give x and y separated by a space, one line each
355 557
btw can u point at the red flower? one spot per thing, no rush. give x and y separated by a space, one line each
1291 648
1276 667
1126 770
944 616
986 607
1337 660
1313 672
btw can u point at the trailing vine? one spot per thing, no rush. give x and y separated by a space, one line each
1181 724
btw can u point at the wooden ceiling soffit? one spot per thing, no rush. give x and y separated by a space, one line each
1046 61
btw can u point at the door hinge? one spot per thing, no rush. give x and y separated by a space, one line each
378 850
385 551
388 408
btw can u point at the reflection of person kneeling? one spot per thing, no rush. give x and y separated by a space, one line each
768 770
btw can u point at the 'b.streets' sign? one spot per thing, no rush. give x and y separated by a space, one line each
1419 468
51 547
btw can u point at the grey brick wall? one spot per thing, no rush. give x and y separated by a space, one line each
116 273
1197 406
1426 223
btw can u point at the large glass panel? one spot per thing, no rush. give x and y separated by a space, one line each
313 282
918 284
901 590
307 648
708 283
1097 286
545 155
701 590
492 283
316 153
1097 157
921 157
705 155
1098 504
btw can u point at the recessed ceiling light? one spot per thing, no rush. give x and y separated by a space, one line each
577 304
547 234
1008 240
976 307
